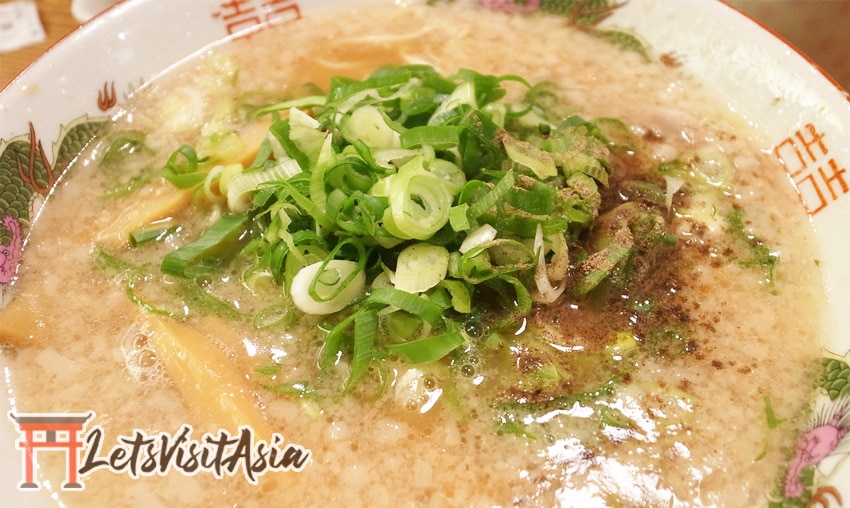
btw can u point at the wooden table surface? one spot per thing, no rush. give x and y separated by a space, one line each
57 21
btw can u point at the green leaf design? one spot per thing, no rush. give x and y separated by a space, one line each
581 12
16 194
626 40
25 168
74 138
835 378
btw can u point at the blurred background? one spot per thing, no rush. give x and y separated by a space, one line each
818 28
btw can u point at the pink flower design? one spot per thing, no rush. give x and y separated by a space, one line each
831 426
10 255
512 5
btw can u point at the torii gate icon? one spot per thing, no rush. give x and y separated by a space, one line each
52 431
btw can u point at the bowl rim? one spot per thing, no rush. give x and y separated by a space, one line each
114 12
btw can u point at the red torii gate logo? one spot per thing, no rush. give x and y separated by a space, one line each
50 431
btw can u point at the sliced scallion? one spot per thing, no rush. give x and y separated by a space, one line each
429 349
218 241
139 237
392 203
413 304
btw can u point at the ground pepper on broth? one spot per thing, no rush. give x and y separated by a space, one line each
653 388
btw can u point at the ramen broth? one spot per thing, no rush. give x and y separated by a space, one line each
694 426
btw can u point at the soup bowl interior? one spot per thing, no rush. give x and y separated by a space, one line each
804 114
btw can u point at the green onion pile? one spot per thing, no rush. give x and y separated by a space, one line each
399 206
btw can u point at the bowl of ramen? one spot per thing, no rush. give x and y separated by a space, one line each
449 253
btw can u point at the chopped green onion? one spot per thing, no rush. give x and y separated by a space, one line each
429 349
495 196
525 154
271 316
483 235
416 305
182 168
365 331
333 342
302 102
419 205
421 266
390 204
460 294
326 287
438 136
218 241
458 218
142 236
371 126
282 131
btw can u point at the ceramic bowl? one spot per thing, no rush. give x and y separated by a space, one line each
805 115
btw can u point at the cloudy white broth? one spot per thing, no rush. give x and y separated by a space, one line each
638 326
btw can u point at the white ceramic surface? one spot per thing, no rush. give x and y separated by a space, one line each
806 117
